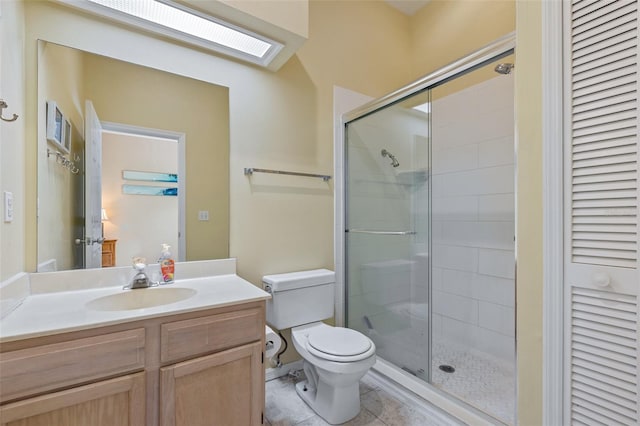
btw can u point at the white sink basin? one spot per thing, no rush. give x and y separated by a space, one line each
140 298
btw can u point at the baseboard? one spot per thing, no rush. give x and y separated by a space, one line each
283 370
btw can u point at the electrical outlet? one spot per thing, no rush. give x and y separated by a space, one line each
203 215
8 206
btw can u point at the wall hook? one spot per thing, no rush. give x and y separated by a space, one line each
4 105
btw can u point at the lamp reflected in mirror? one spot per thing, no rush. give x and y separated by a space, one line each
103 219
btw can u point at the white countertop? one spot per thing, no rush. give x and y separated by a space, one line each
60 312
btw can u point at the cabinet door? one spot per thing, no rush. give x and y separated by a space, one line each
226 388
114 402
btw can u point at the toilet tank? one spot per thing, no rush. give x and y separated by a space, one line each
299 297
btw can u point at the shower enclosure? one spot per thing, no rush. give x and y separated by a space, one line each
429 219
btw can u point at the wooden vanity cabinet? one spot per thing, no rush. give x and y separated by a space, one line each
200 368
115 402
224 389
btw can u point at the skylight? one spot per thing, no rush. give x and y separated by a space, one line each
188 22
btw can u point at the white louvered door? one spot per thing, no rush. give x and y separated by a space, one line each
602 276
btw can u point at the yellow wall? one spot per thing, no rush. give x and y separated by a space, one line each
444 31
528 76
61 83
284 120
277 223
12 136
129 94
292 15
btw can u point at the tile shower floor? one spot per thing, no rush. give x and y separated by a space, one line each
379 407
480 379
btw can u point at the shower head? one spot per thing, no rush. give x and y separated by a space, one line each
504 68
386 153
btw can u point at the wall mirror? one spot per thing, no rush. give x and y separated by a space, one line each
125 124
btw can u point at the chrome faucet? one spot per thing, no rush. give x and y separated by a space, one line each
140 279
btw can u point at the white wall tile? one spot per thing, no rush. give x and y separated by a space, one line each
492 180
497 318
497 207
459 332
496 152
472 230
437 278
436 325
482 287
453 257
493 289
388 321
497 235
454 306
455 208
438 186
457 282
498 263
477 128
496 344
454 159
495 94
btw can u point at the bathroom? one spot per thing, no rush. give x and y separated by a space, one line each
284 120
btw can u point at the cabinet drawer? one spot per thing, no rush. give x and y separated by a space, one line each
182 339
35 370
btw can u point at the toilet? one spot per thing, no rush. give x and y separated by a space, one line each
334 358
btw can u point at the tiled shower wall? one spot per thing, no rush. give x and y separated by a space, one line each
473 217
379 197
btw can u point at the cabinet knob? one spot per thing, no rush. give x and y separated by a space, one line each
601 279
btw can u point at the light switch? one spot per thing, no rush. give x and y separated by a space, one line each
8 206
203 215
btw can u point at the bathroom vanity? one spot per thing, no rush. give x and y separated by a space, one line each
95 357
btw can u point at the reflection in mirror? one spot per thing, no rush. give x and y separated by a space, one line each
152 121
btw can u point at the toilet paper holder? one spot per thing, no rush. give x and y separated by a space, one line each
273 343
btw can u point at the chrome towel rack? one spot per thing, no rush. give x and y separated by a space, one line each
251 170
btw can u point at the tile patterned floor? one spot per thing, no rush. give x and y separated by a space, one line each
486 382
379 407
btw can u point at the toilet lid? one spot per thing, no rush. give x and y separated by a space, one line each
338 341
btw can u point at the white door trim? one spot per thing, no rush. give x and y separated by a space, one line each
344 100
552 213
181 139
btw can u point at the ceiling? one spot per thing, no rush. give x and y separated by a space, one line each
408 7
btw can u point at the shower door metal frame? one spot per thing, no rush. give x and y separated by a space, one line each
504 46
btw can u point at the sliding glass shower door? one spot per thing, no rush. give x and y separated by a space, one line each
387 231
430 234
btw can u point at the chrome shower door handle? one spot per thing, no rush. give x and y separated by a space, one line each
370 231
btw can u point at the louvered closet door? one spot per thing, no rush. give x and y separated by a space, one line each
602 277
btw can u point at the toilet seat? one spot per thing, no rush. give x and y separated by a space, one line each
339 344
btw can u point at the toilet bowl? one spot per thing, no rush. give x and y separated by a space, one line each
334 358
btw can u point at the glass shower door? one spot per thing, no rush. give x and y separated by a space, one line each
387 231
430 233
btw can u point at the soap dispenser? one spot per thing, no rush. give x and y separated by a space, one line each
167 265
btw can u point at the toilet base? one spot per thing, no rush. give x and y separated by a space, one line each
335 405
